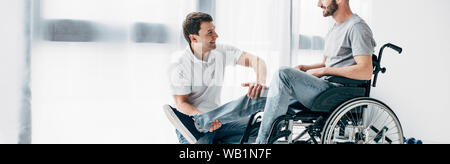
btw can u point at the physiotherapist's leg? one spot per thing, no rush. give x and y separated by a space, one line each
286 83
230 112
208 138
231 133
181 139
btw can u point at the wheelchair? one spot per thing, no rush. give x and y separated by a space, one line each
341 115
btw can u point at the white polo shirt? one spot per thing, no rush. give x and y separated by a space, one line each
202 80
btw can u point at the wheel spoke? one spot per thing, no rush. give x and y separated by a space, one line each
363 115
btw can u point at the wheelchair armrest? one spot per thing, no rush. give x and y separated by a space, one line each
347 82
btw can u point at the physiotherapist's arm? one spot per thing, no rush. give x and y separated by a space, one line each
361 71
257 64
257 88
183 106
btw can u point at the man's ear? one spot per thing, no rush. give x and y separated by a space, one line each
341 2
193 38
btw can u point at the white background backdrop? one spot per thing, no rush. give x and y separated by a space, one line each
12 45
416 85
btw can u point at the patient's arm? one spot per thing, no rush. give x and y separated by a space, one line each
361 71
305 68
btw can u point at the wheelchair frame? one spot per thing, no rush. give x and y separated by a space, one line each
319 120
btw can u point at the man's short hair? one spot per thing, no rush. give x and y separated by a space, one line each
192 24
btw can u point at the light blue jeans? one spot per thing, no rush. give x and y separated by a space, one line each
287 84
230 112
230 133
234 117
181 139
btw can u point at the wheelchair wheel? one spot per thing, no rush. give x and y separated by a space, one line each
362 121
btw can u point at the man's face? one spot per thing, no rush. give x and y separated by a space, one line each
207 36
329 7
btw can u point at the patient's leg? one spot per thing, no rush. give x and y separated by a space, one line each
288 82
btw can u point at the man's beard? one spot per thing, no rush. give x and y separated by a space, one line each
330 10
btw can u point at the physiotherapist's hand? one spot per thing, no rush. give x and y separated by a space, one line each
255 90
319 72
215 125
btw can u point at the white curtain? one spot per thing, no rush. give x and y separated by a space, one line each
260 27
13 69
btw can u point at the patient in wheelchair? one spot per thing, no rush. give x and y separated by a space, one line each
349 46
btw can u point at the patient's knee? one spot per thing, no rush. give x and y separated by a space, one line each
284 73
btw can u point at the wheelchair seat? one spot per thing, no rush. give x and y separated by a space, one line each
300 112
330 99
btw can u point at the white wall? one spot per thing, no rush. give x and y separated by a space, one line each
11 60
417 83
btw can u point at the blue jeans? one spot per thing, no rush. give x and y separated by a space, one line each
181 139
230 112
234 117
289 83
230 133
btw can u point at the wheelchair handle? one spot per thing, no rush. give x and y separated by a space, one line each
380 55
394 47
389 45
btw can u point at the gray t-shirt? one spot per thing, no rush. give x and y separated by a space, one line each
346 40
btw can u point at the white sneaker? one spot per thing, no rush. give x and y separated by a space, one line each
183 123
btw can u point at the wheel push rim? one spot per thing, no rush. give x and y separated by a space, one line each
363 122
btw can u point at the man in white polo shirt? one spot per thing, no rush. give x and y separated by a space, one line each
196 79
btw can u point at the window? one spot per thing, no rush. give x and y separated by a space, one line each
260 27
310 28
94 81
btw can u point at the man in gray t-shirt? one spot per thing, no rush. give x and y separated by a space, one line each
347 40
348 53
349 45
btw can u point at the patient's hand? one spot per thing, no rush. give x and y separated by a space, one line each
301 68
255 90
319 72
215 125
